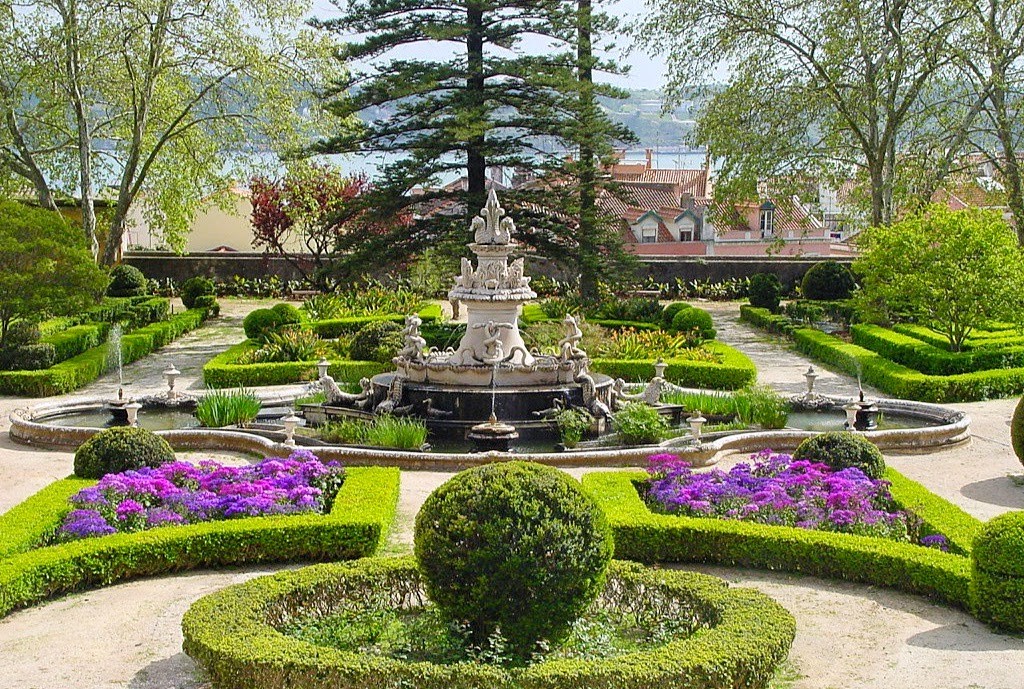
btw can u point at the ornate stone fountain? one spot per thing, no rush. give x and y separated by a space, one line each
491 371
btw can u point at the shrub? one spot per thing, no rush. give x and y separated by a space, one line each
515 547
765 291
22 333
1017 431
287 314
120 449
28 357
841 449
287 345
573 424
259 322
219 408
378 341
195 287
997 568
127 281
827 281
208 302
694 321
670 312
639 424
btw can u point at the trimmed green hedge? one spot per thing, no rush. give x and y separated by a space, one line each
979 339
86 367
356 527
233 635
335 327
648 537
222 372
766 320
735 371
28 523
77 339
929 359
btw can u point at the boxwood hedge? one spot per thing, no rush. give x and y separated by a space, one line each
734 371
222 371
89 365
233 634
927 358
648 537
356 527
336 327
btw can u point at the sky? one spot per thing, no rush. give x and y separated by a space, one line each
645 72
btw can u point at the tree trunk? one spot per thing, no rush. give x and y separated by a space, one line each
1010 165
476 164
589 264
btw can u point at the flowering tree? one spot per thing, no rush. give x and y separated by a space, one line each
303 215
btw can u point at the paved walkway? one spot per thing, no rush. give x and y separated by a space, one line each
848 635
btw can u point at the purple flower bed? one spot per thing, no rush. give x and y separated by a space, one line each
775 489
182 493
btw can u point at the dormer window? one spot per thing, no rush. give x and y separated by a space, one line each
767 219
649 233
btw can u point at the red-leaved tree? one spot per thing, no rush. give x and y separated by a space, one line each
303 215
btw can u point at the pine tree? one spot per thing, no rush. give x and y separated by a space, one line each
482 102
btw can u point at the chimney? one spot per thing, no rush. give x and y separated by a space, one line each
650 158
686 201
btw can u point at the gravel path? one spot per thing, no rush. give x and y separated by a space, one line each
849 635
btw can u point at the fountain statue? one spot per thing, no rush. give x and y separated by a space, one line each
491 373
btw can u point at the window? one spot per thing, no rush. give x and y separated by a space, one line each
686 230
648 233
767 219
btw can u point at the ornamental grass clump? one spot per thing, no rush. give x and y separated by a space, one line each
777 490
182 493
219 408
513 550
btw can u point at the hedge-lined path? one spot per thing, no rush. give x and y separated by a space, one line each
849 635
778 364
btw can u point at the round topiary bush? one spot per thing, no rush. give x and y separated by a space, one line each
260 322
208 302
287 314
516 547
194 287
765 291
376 341
997 572
694 320
842 449
126 281
670 313
120 449
827 281
1017 431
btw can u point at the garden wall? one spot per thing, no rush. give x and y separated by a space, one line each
221 266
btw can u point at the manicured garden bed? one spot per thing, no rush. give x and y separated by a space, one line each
237 635
897 379
355 527
643 535
89 365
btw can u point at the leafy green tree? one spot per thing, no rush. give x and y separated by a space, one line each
950 270
154 99
45 267
854 88
482 102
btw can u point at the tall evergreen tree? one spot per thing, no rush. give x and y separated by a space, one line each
483 101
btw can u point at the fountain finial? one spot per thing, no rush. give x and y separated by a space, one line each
492 227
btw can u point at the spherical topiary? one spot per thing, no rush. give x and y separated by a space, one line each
1017 431
376 341
260 322
119 449
194 287
287 314
513 546
127 281
765 291
670 312
827 281
694 320
842 449
997 576
208 302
